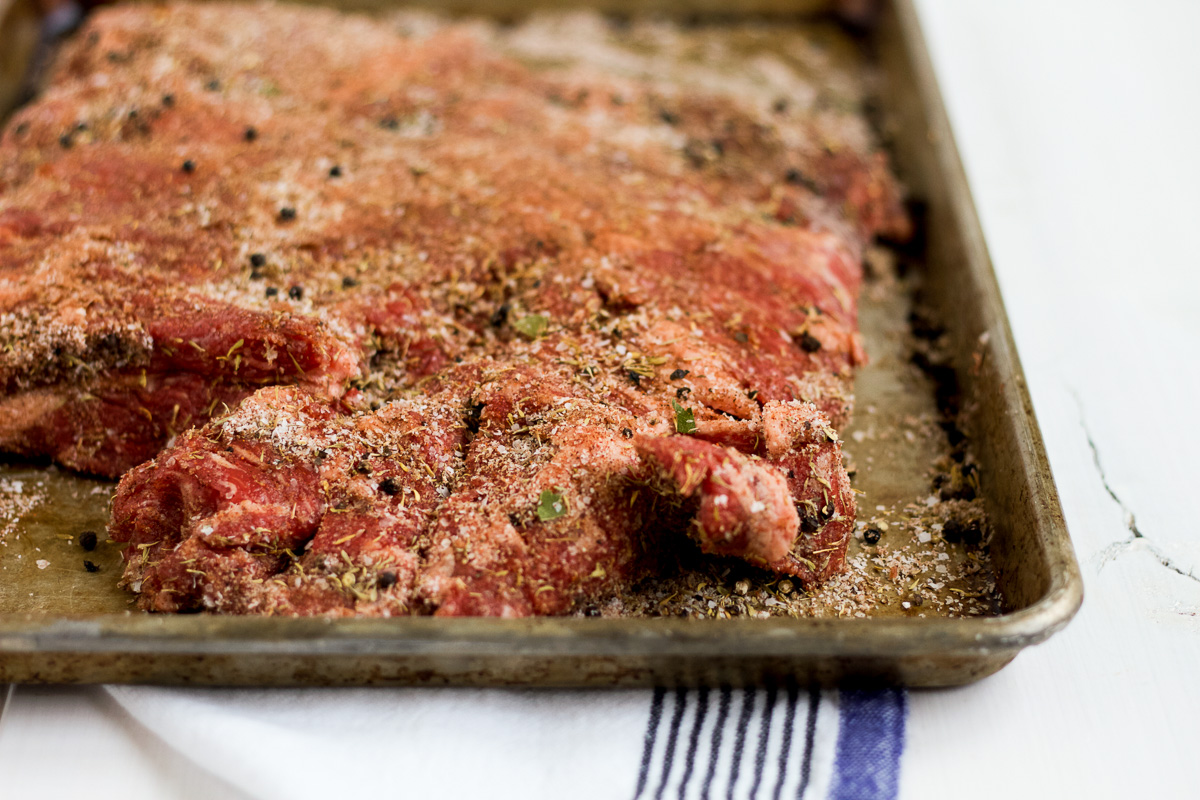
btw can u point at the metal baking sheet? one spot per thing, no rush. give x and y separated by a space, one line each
60 622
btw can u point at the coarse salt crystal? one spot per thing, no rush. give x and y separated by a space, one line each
924 536
42 563
757 506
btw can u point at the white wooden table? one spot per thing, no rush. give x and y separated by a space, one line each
1078 121
1078 124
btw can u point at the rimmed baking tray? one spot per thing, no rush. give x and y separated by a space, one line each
1035 569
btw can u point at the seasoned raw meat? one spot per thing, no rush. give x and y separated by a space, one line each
499 308
498 488
207 199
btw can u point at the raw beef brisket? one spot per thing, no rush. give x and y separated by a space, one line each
473 338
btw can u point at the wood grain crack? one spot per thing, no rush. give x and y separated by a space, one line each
1136 537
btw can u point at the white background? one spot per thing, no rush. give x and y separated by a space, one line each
1079 124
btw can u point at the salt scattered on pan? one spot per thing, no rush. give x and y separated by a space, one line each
42 563
943 556
931 501
924 536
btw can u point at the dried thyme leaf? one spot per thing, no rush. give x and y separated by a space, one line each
685 420
551 505
532 325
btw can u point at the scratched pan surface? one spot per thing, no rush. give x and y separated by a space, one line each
64 621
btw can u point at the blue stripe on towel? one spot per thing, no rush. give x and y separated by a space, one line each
870 740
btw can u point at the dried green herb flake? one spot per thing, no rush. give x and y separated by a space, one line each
551 505
685 420
532 325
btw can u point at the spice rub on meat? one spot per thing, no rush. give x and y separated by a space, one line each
517 328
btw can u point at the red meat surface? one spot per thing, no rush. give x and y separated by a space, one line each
478 282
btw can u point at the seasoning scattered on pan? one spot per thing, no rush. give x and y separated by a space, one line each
590 326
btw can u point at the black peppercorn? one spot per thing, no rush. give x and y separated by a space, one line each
335 171
258 260
189 166
679 374
967 532
809 343
287 214
348 282
387 579
499 316
272 291
168 100
474 417
296 292
90 567
250 134
627 433
390 486
871 535
87 540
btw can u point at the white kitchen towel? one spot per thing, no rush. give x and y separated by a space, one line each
720 743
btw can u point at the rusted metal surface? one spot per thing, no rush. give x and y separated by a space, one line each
60 622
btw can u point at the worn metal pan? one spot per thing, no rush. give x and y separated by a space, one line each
75 634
